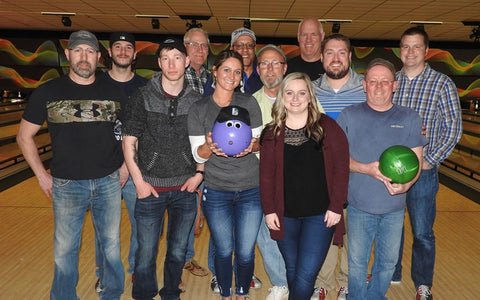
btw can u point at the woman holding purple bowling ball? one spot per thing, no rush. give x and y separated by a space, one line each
231 196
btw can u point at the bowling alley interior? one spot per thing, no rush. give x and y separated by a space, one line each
34 35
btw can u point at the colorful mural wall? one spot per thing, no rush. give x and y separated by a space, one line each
27 63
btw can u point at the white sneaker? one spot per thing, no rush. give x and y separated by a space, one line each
342 293
277 293
319 293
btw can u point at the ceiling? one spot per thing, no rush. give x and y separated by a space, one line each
370 19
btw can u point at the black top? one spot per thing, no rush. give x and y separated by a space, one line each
305 185
81 121
313 69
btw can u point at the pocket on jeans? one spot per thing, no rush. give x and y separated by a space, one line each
114 175
60 182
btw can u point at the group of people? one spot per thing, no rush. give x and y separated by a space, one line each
318 129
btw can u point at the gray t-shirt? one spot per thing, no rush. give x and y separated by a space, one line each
226 173
369 133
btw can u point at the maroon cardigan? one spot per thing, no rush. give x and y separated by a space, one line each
337 160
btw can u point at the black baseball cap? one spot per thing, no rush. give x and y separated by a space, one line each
172 43
122 36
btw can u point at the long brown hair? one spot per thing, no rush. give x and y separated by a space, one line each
279 114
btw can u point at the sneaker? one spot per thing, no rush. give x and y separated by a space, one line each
194 268
214 285
98 286
319 293
424 293
396 281
342 293
277 293
256 283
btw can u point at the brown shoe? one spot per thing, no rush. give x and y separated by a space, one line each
195 268
182 287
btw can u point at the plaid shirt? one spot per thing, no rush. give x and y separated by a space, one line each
434 96
194 81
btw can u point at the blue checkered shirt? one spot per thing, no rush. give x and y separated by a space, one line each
434 96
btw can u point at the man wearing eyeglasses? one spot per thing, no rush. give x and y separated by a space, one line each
81 111
197 44
376 206
271 67
243 41
336 89
158 155
310 36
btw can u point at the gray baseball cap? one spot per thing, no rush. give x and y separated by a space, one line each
83 37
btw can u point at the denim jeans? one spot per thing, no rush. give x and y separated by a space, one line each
71 200
365 229
129 195
272 258
191 235
304 248
234 219
421 205
149 214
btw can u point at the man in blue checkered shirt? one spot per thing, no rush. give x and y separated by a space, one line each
434 96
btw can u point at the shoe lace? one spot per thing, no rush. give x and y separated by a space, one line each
423 290
320 291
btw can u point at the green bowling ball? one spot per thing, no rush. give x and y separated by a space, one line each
399 163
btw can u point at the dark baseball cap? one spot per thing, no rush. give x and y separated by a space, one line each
122 36
233 112
82 37
172 43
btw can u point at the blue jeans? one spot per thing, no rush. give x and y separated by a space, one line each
129 196
421 205
363 230
71 200
304 248
149 214
272 258
233 219
191 235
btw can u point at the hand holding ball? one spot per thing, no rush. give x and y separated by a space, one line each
232 131
399 163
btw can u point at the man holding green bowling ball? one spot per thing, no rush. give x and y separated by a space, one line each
376 206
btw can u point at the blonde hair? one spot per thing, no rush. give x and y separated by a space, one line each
279 113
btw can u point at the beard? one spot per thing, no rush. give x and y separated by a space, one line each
269 85
337 74
85 72
120 65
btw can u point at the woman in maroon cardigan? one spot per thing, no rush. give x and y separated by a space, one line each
304 168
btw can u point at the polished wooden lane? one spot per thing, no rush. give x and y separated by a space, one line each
26 251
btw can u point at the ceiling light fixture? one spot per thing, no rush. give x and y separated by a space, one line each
193 21
58 13
155 23
152 16
336 28
426 22
265 20
66 21
475 36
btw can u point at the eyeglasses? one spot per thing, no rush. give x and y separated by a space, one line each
196 45
384 83
275 64
243 46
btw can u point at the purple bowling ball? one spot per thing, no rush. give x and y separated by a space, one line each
232 136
